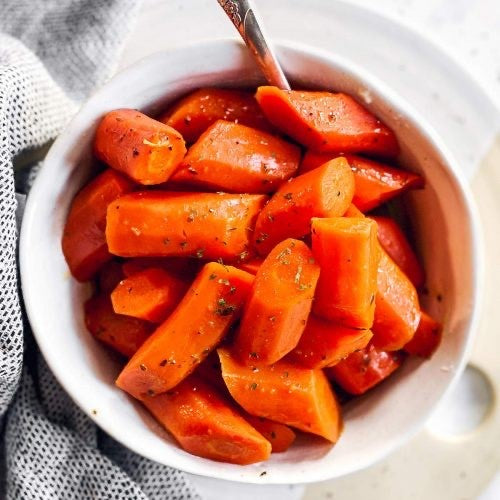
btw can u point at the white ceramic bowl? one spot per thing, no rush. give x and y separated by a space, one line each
446 231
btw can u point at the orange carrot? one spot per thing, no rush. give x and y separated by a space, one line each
84 243
122 333
206 425
364 369
346 250
353 211
280 436
239 159
194 113
181 267
146 150
284 393
394 242
151 294
251 266
324 343
203 225
324 192
196 326
427 337
109 276
327 122
276 312
375 182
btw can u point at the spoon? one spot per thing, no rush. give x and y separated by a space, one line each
242 15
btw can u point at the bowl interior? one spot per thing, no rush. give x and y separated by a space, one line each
444 230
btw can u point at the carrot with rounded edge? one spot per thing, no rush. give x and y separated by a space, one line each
323 192
364 369
326 121
427 337
207 425
279 303
151 294
239 159
284 393
147 150
84 242
201 225
280 436
196 326
324 343
347 252
194 113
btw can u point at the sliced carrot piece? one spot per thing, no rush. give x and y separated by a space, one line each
364 369
151 294
280 436
196 326
347 252
284 393
353 211
194 113
109 276
427 337
276 312
327 122
394 242
251 266
202 225
239 159
375 182
206 425
324 343
182 267
323 192
122 333
84 243
146 150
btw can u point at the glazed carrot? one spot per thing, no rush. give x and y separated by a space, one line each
364 369
284 393
279 303
353 211
251 266
347 252
203 225
122 333
280 436
394 242
84 243
327 122
238 159
181 267
151 294
109 276
375 182
427 337
147 150
206 425
196 326
397 311
323 192
324 343
194 113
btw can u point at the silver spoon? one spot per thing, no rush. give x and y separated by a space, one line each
242 15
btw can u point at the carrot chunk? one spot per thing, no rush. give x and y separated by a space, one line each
202 225
206 425
239 159
151 294
84 242
427 337
364 369
195 327
182 267
327 122
323 192
280 436
147 150
394 242
397 311
324 343
284 393
279 303
122 333
375 183
251 266
194 113
346 250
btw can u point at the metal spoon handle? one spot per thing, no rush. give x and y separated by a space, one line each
242 15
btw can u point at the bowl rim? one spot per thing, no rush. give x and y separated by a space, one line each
371 82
